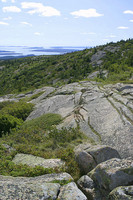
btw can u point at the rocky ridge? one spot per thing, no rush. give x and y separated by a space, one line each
103 113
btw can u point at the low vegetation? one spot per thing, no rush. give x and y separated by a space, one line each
24 74
39 137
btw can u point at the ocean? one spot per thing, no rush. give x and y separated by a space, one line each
21 51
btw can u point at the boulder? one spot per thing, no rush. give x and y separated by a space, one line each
113 173
71 192
88 156
46 191
101 153
85 161
122 193
37 161
44 187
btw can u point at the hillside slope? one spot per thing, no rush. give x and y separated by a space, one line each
63 131
111 62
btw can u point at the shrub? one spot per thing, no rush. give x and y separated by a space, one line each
8 122
4 104
20 110
40 137
121 76
64 135
43 122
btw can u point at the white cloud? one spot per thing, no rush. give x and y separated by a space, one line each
13 1
7 18
4 23
39 8
26 23
37 33
11 9
122 27
131 20
3 0
128 12
86 13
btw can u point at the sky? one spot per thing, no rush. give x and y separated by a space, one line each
65 23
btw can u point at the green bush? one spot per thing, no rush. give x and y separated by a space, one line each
40 137
64 136
20 110
43 122
8 122
119 77
4 104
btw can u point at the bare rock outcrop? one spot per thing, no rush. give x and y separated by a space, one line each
104 114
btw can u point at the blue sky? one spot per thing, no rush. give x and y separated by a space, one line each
65 23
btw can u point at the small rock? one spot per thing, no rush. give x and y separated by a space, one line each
86 185
9 148
50 190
